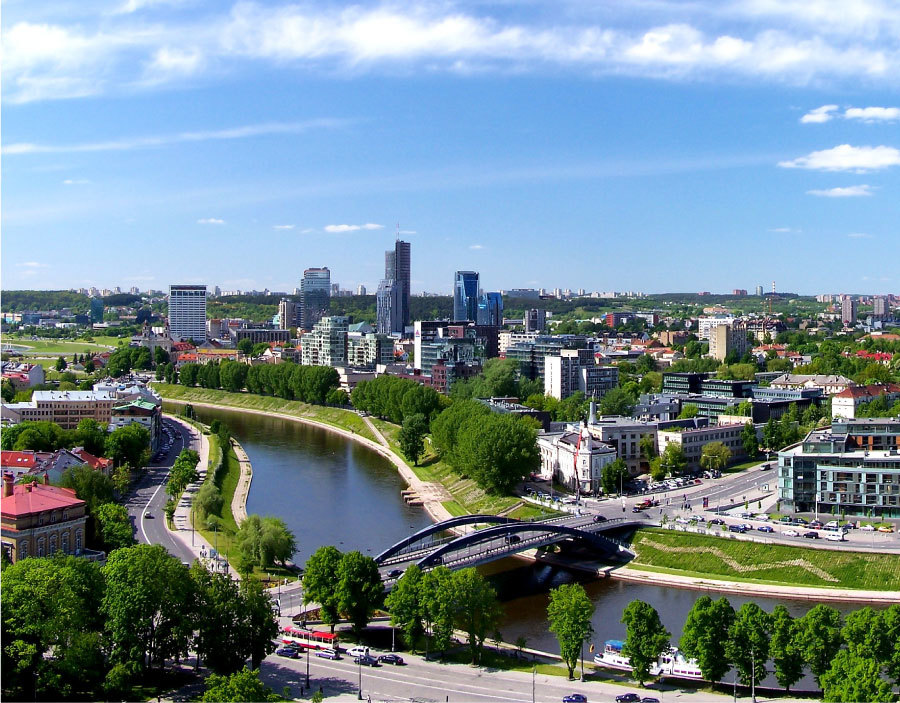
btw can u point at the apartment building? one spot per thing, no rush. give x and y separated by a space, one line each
187 312
65 408
693 439
575 370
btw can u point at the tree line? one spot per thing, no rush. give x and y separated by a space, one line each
74 629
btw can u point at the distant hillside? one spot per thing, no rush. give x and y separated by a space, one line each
34 300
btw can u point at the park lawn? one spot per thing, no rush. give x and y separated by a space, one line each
344 419
529 511
56 346
466 493
756 562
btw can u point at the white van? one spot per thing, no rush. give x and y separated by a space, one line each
835 537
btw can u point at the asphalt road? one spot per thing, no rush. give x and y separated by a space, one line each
148 497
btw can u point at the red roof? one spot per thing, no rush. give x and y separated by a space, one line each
17 460
95 462
869 391
182 346
31 498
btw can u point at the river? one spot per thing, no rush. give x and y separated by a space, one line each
330 490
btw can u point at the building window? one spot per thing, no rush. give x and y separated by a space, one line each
78 541
23 549
65 514
40 547
53 543
65 543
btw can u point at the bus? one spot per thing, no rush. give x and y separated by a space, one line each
309 639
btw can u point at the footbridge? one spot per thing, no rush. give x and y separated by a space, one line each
500 538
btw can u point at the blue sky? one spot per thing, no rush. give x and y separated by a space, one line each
643 145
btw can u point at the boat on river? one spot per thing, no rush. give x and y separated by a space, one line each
671 663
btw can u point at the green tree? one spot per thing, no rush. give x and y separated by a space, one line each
359 589
95 489
705 631
688 410
645 638
851 677
320 583
160 356
208 500
749 441
569 613
8 391
121 479
748 643
245 346
617 401
446 428
183 473
411 437
144 605
90 435
819 638
128 445
783 649
714 455
115 526
260 627
864 634
61 364
404 603
613 476
240 687
218 614
438 606
890 619
673 459
477 610
497 451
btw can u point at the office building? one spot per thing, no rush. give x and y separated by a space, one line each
575 370
326 344
365 350
392 298
707 323
849 309
574 459
691 440
262 334
315 296
759 291
465 295
490 310
187 313
387 307
535 320
850 468
288 313
624 434
531 355
360 289
730 339
65 408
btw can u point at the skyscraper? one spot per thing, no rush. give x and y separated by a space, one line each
315 296
849 309
187 312
465 296
490 310
287 314
392 298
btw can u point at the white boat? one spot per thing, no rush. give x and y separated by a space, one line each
671 664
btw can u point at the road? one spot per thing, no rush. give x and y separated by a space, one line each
148 496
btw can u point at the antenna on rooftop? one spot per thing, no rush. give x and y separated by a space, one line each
398 231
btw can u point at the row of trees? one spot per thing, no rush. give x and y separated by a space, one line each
183 473
396 399
73 629
429 605
849 658
494 450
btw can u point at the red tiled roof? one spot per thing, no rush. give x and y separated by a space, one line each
182 346
31 498
95 462
17 460
869 391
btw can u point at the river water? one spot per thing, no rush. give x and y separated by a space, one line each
330 490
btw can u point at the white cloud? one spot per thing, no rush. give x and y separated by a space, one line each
75 182
352 228
859 235
243 132
32 265
846 192
210 221
476 246
785 230
873 114
170 63
282 227
407 231
819 115
844 157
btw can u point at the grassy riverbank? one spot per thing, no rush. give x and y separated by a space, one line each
701 556
343 419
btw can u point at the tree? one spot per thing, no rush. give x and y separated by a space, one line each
144 605
259 625
183 473
115 526
688 411
772 435
613 476
61 364
90 435
445 430
748 643
359 589
852 677
245 346
569 613
240 686
749 441
673 459
160 356
8 391
890 619
645 638
497 451
95 489
208 500
128 445
647 444
438 606
404 603
819 638
218 615
477 610
411 437
864 635
705 631
320 582
617 401
783 649
714 455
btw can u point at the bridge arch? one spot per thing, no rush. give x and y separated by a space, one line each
458 521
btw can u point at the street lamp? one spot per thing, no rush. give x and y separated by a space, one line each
359 666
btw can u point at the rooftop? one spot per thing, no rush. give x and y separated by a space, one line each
33 498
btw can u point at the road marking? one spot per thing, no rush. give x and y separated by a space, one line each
144 511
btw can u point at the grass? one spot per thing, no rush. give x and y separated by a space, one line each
735 468
344 419
775 564
55 346
533 512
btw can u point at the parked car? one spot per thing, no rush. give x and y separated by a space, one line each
800 521
628 698
328 654
716 521
288 652
867 528
886 528
366 660
394 659
737 528
831 524
575 698
649 699
681 520
395 573
812 534
817 524
786 519
357 651
789 533
765 528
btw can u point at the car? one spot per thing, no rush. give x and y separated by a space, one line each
867 528
513 539
148 516
886 528
575 698
831 524
395 573
790 533
817 524
747 526
812 534
716 521
765 528
394 659
366 660
681 520
800 521
600 518
765 467
628 698
357 651
700 518
288 652
762 517
786 519
835 537
649 699
636 509
328 654
737 528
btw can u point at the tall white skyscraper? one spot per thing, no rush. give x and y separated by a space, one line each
187 312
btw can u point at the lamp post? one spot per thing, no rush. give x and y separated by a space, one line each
582 660
533 674
307 668
359 667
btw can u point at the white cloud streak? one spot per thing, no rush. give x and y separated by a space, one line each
210 221
334 229
819 115
785 230
873 114
282 227
127 144
75 182
859 235
845 192
476 246
857 159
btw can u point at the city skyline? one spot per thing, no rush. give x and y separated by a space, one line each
658 147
